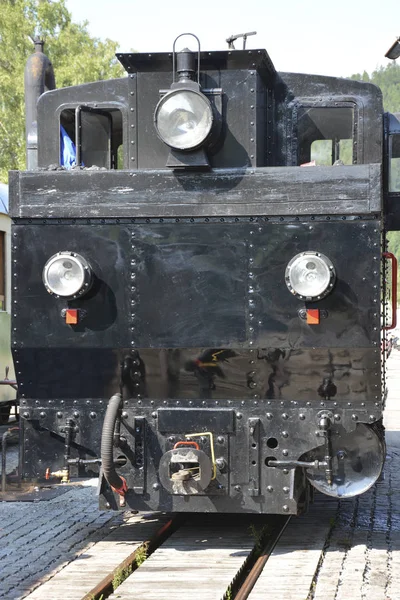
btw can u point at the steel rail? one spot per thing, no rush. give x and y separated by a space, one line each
259 564
105 587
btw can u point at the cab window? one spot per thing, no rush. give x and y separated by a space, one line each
326 136
394 163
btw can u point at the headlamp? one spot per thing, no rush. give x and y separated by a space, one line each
310 275
67 274
184 119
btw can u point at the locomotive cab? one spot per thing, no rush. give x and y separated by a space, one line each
207 254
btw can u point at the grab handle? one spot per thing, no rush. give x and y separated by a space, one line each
194 444
392 257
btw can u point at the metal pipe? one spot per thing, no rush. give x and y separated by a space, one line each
4 460
39 78
117 483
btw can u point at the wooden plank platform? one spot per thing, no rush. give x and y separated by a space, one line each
198 561
92 564
290 570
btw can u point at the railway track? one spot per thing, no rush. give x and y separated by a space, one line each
335 551
205 556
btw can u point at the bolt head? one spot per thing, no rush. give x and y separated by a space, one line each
156 486
285 508
220 462
270 489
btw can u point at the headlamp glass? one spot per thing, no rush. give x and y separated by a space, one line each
310 275
67 274
183 119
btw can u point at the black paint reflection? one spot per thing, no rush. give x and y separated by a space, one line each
206 368
275 358
346 374
133 374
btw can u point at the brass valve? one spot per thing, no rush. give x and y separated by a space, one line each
62 473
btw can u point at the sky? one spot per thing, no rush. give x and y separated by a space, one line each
325 37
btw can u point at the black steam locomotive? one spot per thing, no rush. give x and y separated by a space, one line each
199 263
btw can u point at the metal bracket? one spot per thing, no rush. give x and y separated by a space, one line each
254 457
291 464
140 455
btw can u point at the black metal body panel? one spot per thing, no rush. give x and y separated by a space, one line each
175 375
237 489
345 190
196 284
217 334
196 420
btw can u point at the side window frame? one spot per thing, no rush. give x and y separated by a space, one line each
99 107
391 126
357 130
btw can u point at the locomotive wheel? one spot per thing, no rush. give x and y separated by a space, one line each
358 459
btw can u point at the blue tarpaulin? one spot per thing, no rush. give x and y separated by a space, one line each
68 150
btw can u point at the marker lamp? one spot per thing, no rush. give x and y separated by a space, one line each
67 274
183 119
310 275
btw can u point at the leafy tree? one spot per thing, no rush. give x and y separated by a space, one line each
76 57
388 79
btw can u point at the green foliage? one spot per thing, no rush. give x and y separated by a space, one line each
388 79
120 575
76 57
141 554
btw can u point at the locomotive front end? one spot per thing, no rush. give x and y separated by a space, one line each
211 262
